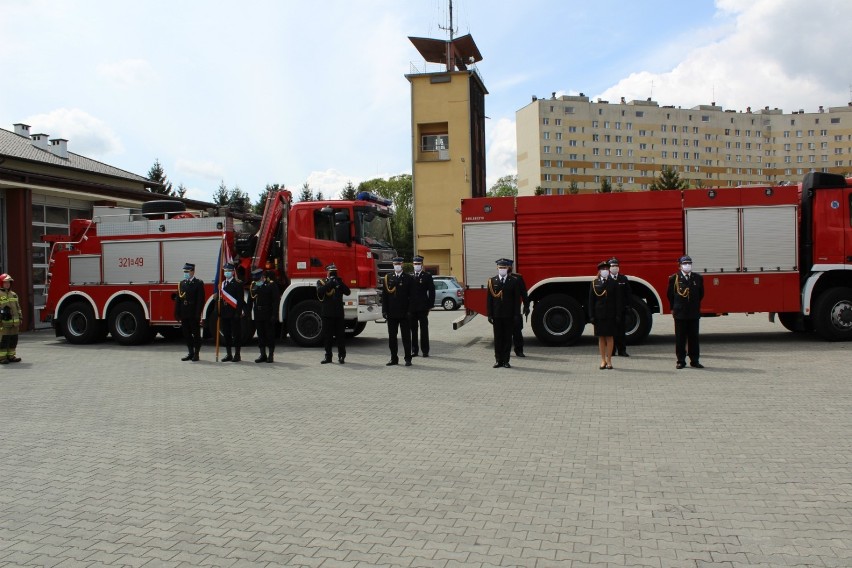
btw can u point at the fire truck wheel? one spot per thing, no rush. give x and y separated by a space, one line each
558 320
128 325
78 324
305 324
638 324
356 329
832 314
795 322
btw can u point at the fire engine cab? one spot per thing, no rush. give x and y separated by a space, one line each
785 250
118 272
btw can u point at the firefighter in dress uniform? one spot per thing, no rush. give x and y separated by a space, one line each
264 300
605 311
504 302
396 299
10 321
518 328
330 292
189 304
231 308
623 287
422 300
685 292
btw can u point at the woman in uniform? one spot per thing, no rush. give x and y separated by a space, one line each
604 312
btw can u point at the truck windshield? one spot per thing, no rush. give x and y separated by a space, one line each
373 229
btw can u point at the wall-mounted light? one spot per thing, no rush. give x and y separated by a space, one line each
219 225
487 209
162 228
768 192
711 194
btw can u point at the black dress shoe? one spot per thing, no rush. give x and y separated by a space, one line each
261 359
227 358
425 354
506 365
325 361
624 354
341 360
270 359
696 365
236 359
408 362
519 354
414 354
187 358
680 365
392 362
498 365
195 357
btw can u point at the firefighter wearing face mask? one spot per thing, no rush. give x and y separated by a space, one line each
685 292
396 309
504 307
10 321
231 307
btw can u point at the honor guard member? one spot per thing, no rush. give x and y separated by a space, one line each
231 307
622 285
396 299
189 303
604 312
517 329
10 321
330 292
264 299
422 300
685 292
504 302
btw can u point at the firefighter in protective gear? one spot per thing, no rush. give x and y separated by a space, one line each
10 321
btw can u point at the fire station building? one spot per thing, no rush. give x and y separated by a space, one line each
43 187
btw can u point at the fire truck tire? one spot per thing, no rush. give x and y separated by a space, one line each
638 323
78 324
305 324
832 314
558 320
128 325
356 328
795 322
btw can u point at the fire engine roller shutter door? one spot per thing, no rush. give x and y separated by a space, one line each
128 262
203 253
84 269
769 239
483 244
713 239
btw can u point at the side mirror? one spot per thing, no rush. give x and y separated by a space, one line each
341 233
326 210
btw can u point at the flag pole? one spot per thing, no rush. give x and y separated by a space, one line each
219 294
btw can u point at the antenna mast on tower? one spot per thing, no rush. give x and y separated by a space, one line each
452 32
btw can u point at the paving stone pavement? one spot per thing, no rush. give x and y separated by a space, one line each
126 456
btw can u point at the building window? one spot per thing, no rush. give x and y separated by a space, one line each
559 136
594 124
572 129
545 121
559 149
558 121
569 110
546 135
434 142
546 163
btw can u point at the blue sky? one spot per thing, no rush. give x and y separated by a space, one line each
259 92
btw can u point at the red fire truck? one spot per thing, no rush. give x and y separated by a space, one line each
784 250
118 272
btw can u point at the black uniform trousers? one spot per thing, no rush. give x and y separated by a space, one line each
420 322
191 329
396 325
686 340
334 327
503 338
618 339
518 334
266 335
232 333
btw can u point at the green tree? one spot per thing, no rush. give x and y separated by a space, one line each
400 190
669 179
221 196
349 192
506 186
538 190
181 190
307 194
320 196
606 186
573 189
157 174
260 204
239 200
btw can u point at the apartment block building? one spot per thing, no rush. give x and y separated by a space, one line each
570 144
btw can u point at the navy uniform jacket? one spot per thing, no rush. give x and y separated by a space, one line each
396 295
264 299
190 299
623 287
604 300
423 292
330 292
522 288
235 288
504 300
685 294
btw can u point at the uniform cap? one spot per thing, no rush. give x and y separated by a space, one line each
603 264
613 261
418 259
504 262
189 267
685 259
257 274
331 267
229 266
397 260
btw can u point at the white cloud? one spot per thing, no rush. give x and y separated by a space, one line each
203 169
778 54
129 73
86 134
502 151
